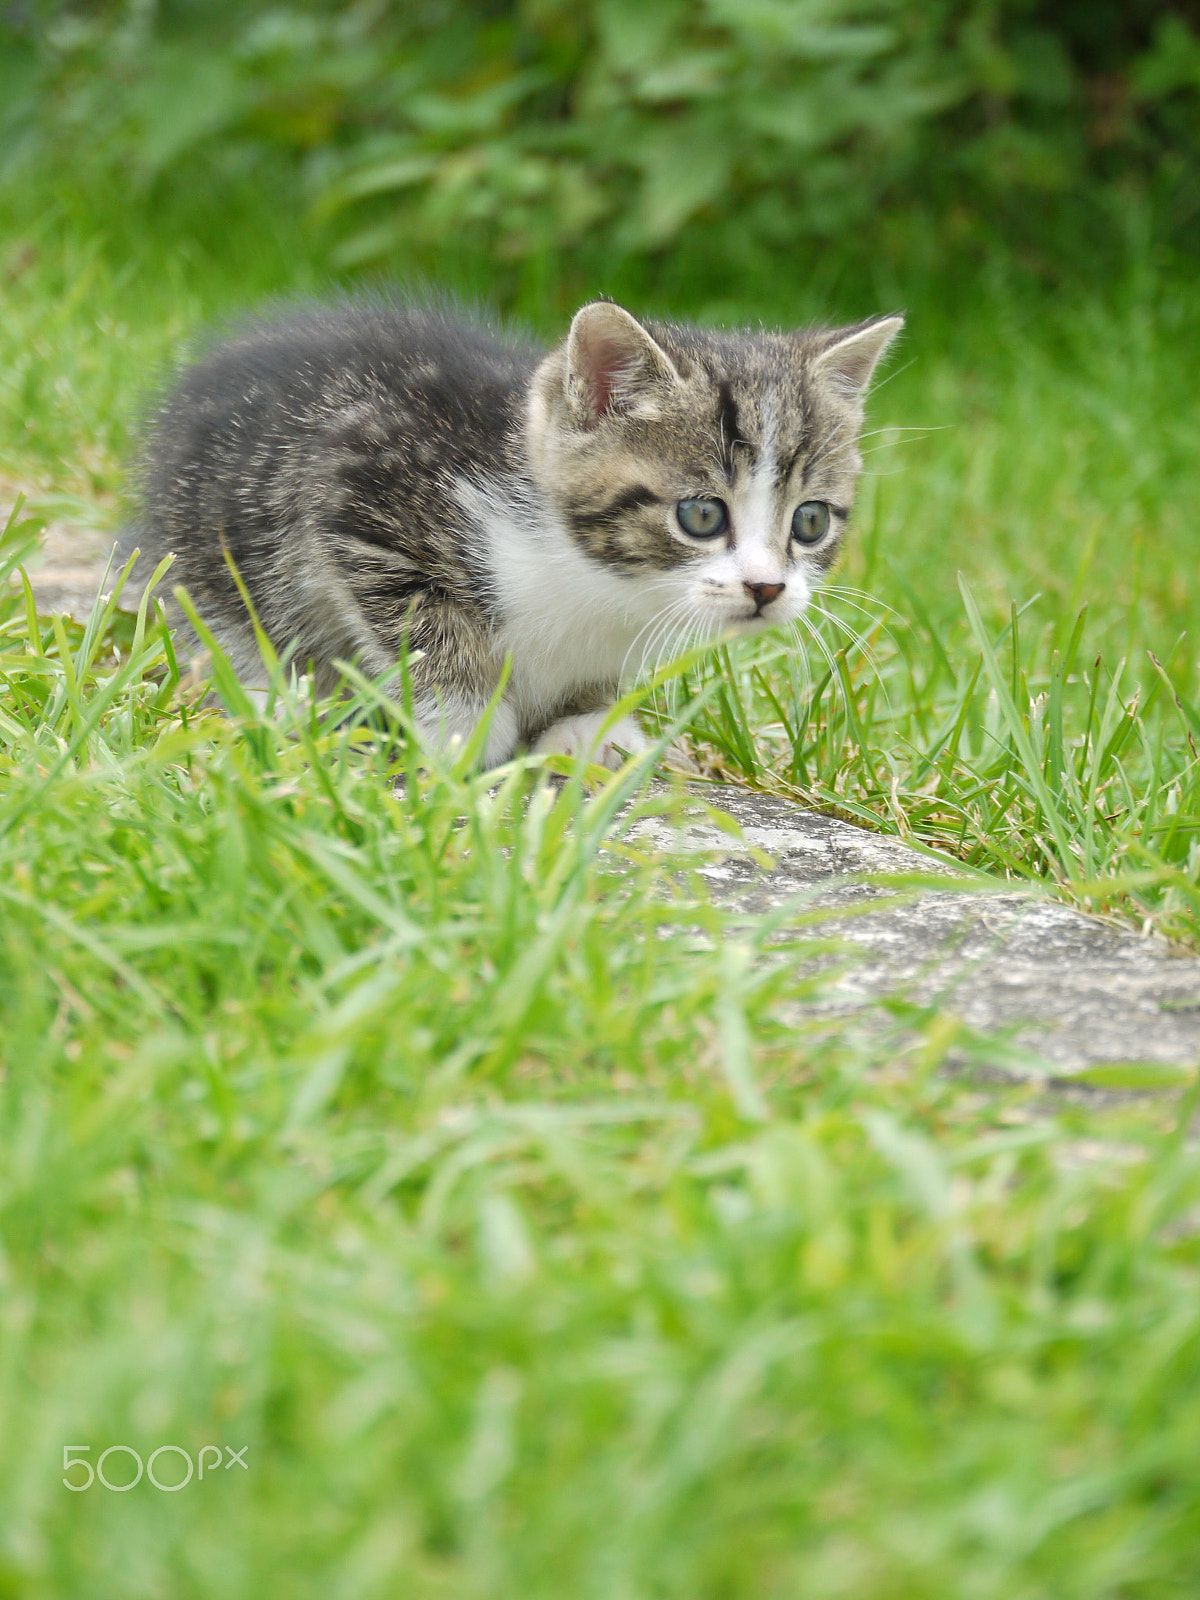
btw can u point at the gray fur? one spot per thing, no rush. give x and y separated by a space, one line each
379 472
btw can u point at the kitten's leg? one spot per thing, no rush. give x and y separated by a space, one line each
580 734
454 674
447 722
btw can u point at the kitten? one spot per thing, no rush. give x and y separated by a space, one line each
384 475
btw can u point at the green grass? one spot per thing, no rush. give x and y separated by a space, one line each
434 1138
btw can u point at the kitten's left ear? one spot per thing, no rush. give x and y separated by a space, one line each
852 354
612 363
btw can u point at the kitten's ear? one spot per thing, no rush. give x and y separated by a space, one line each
612 363
852 354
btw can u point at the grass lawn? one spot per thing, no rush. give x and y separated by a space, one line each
444 1150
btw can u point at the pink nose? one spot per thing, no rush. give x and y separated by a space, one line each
764 593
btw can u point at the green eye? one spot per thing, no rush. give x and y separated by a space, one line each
702 518
810 522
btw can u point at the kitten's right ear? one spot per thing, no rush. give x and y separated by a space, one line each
613 364
851 355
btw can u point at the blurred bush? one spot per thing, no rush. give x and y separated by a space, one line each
620 128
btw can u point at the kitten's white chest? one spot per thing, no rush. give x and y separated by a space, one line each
565 621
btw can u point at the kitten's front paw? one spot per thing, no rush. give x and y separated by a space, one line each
581 734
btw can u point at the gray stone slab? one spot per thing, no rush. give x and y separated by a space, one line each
1057 990
67 570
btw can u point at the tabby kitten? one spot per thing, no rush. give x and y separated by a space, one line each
382 474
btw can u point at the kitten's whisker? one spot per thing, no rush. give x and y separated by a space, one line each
875 387
854 635
921 428
888 444
652 652
651 628
803 622
821 450
678 635
861 643
851 595
655 631
876 618
835 676
823 453
867 654
907 427
862 631
832 441
673 623
673 635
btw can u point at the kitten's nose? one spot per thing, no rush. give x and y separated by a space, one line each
764 593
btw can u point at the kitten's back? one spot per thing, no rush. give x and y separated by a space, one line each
315 450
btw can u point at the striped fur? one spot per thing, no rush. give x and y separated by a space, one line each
383 474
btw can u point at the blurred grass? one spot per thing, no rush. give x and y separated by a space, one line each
441 1143
441 1146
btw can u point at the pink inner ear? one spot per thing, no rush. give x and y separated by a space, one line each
611 361
600 390
606 363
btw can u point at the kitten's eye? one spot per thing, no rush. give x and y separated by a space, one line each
702 518
810 522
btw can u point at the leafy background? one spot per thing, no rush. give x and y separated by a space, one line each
734 136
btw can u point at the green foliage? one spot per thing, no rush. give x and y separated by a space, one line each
630 122
610 131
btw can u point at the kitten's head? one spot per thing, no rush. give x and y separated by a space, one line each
718 468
